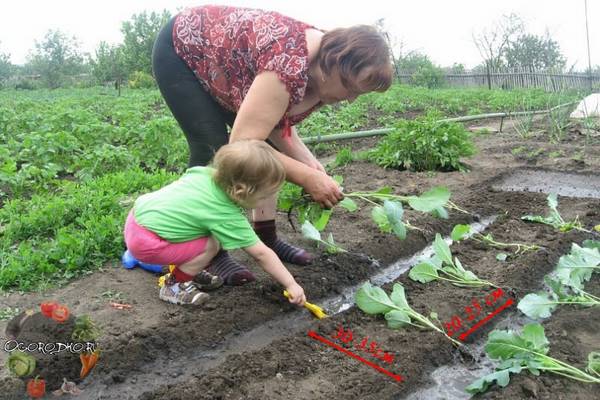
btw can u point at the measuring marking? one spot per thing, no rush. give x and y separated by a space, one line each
464 335
316 336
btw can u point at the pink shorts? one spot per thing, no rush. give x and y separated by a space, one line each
150 248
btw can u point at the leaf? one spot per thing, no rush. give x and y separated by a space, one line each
501 256
423 272
442 250
501 378
538 218
384 190
460 231
398 296
592 244
373 300
594 363
378 215
310 232
348 204
440 212
339 179
393 211
321 223
399 230
536 306
577 267
430 200
534 333
397 319
505 345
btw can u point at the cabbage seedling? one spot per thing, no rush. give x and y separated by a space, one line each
554 218
528 351
310 232
541 305
398 313
441 266
461 232
572 271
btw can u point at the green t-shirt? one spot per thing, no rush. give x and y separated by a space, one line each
194 206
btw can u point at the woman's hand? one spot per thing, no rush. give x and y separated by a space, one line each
296 294
323 189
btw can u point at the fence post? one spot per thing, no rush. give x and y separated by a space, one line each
489 78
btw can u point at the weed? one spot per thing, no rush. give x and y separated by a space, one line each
518 150
9 313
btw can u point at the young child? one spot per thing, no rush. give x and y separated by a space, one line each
187 222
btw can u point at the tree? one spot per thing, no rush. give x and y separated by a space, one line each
109 64
492 43
139 35
421 69
6 68
382 29
536 52
56 58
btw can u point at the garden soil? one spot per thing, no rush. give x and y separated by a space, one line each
161 351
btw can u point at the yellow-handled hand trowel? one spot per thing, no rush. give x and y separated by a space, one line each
313 308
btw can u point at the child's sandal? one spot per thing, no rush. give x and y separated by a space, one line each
207 281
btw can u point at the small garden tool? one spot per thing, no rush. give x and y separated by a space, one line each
313 308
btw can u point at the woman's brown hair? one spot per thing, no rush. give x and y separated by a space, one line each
246 168
353 50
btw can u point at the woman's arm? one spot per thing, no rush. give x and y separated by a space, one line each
262 108
295 148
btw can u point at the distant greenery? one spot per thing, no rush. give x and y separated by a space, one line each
401 101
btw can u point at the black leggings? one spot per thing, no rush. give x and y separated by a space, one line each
201 118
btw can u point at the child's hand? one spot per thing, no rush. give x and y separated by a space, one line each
296 294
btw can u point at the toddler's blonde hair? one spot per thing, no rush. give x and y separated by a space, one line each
247 168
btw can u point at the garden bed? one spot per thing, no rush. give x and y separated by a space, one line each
249 343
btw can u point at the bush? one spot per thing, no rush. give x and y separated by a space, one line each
141 80
27 84
424 145
428 76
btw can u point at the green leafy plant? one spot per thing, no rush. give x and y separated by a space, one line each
310 232
397 312
343 157
541 305
558 122
578 266
567 286
523 125
528 351
387 212
461 232
441 266
554 218
9 313
424 144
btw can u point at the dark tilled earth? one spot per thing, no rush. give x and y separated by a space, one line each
152 351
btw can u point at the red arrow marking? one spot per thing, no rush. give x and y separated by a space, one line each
314 335
464 335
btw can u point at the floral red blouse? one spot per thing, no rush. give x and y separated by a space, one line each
227 47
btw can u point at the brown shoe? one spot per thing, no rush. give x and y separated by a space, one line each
207 281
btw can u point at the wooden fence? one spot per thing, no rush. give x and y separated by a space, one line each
511 79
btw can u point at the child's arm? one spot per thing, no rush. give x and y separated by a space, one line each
269 261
